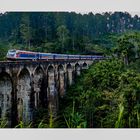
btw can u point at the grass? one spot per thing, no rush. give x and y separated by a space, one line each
120 116
3 123
74 119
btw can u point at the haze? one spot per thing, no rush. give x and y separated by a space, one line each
82 6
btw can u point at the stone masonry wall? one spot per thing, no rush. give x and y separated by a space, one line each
32 82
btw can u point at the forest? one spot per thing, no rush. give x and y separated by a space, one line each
68 32
107 95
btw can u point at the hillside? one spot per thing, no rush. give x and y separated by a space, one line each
63 31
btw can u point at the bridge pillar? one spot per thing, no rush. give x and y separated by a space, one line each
52 92
61 78
24 97
5 97
77 69
69 74
37 80
14 99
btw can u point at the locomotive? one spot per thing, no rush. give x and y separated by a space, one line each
29 55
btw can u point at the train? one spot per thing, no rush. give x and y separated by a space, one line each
29 55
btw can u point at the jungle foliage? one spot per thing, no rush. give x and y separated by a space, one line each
106 96
59 32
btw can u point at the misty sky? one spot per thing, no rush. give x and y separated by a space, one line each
84 6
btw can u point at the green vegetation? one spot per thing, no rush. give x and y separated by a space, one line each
106 96
3 50
60 32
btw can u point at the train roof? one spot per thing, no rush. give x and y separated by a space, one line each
27 51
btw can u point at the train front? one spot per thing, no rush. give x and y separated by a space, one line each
11 54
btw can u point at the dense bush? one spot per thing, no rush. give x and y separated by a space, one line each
107 96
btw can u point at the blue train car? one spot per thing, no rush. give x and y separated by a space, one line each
45 56
61 56
74 57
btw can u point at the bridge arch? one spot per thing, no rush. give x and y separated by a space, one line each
69 66
24 96
22 69
38 68
77 65
84 66
6 87
50 69
60 68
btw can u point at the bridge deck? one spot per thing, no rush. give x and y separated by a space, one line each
26 62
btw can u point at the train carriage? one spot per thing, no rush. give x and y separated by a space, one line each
21 55
28 55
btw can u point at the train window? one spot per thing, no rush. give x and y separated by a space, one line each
12 51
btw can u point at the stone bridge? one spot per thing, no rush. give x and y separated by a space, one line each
29 85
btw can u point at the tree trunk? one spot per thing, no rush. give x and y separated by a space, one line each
126 60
